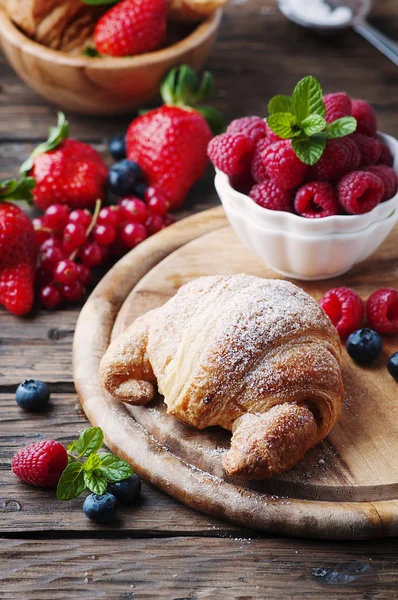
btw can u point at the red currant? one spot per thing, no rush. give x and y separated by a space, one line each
132 234
91 254
50 296
104 234
84 274
105 251
41 234
56 216
110 215
50 258
154 223
51 243
80 217
134 210
169 219
74 236
43 277
156 200
72 292
66 271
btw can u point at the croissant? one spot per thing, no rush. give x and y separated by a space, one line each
255 356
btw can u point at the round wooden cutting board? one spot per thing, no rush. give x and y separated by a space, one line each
345 488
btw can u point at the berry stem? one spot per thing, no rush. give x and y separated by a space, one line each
90 227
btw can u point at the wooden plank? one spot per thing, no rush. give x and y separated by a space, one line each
197 568
26 509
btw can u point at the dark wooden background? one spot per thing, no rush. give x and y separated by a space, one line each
161 549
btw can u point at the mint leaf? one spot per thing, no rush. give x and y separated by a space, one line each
71 483
95 482
113 467
280 104
310 150
307 99
89 441
55 136
284 124
313 124
17 189
341 127
93 462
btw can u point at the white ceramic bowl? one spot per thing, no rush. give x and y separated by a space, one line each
309 249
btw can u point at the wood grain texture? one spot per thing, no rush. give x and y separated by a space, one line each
197 568
345 489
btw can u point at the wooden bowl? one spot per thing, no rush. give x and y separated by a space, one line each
101 86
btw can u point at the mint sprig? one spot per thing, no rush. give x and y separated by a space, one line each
301 118
88 469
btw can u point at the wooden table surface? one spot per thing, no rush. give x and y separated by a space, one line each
161 549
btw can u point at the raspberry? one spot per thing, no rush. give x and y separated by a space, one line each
231 153
345 309
360 192
386 158
272 196
369 148
258 170
388 177
316 200
283 165
382 311
41 463
252 127
337 106
271 136
339 157
242 183
365 116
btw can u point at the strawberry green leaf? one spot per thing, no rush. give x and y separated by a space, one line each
91 52
113 467
310 150
313 124
182 87
90 441
55 136
284 124
99 2
92 463
71 483
206 87
213 117
95 482
307 99
17 189
341 127
280 104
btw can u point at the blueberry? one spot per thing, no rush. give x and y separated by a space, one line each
364 346
392 366
100 508
32 395
124 176
117 147
128 490
140 190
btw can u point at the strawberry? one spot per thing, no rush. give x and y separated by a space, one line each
132 27
66 171
170 142
18 248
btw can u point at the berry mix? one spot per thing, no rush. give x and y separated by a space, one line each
315 155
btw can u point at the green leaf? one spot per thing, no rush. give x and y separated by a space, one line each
91 52
206 87
95 482
113 467
99 2
313 124
310 150
213 117
182 87
17 189
280 104
55 136
71 483
284 124
89 441
307 99
341 127
93 462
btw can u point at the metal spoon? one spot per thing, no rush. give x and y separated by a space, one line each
360 10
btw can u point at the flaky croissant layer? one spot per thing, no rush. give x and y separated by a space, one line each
258 357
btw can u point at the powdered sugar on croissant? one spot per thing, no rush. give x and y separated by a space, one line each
258 357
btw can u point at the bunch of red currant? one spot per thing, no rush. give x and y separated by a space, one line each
74 242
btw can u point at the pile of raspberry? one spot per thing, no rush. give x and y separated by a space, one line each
352 177
73 242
